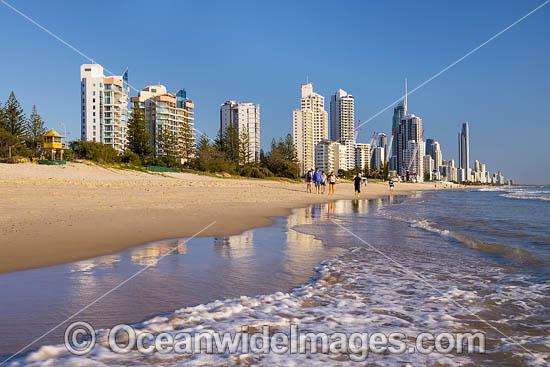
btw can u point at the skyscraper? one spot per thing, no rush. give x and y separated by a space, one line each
429 143
167 114
104 106
309 126
436 155
245 117
399 112
464 147
382 143
409 129
413 159
342 116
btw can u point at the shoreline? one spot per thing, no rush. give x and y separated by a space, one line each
58 214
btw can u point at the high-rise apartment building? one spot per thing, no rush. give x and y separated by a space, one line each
429 166
302 136
362 155
410 128
382 143
429 143
436 154
464 147
342 116
167 114
104 106
413 159
327 156
309 126
347 155
378 158
245 117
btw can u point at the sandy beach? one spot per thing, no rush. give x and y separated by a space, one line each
56 214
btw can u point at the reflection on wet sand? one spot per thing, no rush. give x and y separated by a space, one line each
87 265
237 246
259 261
150 255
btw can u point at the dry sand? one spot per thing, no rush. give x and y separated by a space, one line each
56 214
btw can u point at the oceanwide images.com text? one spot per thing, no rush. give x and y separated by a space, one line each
80 339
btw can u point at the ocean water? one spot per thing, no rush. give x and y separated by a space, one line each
441 262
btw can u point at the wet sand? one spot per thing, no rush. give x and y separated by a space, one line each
57 214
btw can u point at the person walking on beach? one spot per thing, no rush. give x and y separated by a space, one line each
357 183
323 182
317 180
364 182
309 180
391 186
331 183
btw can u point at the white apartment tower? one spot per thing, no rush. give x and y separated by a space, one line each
436 155
309 126
428 165
104 106
342 116
378 158
245 117
362 155
327 156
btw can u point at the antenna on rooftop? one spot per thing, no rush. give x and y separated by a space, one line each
405 93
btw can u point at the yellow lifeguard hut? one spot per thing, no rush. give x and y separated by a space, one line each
53 141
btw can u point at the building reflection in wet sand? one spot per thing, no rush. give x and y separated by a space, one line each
149 255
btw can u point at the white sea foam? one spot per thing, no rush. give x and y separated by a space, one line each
522 194
354 292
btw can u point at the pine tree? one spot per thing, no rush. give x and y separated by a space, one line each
167 141
138 137
34 129
290 151
204 143
230 142
244 148
13 119
188 142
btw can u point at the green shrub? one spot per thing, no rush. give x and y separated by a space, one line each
93 151
68 155
131 158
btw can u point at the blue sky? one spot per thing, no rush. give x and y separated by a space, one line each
260 51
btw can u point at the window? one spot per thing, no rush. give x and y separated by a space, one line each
88 69
93 100
93 93
94 107
94 121
93 113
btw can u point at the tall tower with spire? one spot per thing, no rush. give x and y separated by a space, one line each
399 112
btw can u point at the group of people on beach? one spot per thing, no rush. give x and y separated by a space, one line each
320 179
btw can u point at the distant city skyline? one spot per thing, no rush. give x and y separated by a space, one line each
497 89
